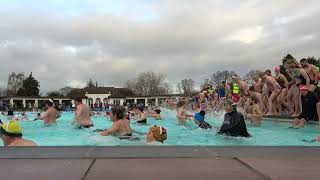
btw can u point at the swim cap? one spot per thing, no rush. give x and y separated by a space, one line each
159 133
277 69
11 128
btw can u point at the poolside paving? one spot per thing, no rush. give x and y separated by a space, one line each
160 163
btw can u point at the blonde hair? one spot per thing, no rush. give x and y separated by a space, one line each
159 133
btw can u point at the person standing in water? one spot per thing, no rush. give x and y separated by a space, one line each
142 116
156 114
182 114
121 125
82 114
51 115
233 124
256 114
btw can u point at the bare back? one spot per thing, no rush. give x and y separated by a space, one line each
22 142
312 71
83 115
51 116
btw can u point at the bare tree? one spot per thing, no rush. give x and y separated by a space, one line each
248 78
179 88
2 92
65 91
205 83
220 76
149 83
15 82
187 85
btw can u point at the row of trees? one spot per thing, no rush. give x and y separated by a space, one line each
147 83
18 85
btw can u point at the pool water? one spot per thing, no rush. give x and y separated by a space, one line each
271 133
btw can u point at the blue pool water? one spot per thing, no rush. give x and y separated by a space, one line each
271 133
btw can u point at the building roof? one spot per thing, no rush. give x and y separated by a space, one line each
115 92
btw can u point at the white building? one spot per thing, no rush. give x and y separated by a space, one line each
92 96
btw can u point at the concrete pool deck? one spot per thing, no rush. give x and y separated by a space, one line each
158 162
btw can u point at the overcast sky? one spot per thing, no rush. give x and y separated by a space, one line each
65 42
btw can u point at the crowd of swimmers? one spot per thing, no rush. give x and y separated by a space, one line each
122 117
292 91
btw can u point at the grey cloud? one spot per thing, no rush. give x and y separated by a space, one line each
186 40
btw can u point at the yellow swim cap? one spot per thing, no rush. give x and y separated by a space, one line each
11 128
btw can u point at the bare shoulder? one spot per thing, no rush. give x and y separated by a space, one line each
23 142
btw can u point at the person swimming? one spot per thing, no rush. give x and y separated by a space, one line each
82 118
157 133
199 120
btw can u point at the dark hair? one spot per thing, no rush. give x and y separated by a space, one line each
10 113
262 74
158 111
181 103
141 108
39 114
303 60
78 99
202 112
50 104
118 111
268 71
251 88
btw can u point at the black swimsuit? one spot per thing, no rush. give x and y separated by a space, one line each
142 121
281 82
303 80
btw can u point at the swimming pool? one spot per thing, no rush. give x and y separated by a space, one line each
271 133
